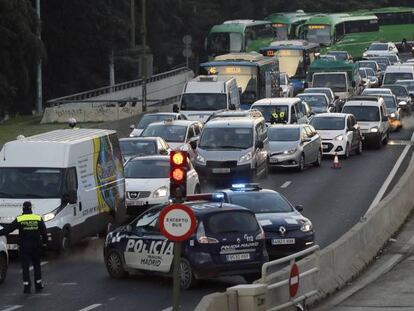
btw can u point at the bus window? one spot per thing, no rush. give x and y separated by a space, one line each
281 31
339 30
223 42
291 62
262 32
317 34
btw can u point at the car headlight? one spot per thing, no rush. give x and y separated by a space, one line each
291 151
364 54
247 157
48 216
160 192
393 115
200 159
339 137
306 226
373 129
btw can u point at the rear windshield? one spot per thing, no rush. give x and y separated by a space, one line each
331 123
378 47
392 77
398 90
262 202
335 81
137 147
231 222
151 118
283 134
147 169
170 133
363 113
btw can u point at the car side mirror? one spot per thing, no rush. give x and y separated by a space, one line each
128 228
232 107
402 104
175 108
384 118
69 198
132 126
259 144
299 208
193 144
164 152
336 97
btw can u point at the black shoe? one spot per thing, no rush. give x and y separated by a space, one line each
39 288
26 290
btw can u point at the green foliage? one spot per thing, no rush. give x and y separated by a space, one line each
20 50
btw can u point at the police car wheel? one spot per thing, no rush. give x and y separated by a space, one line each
115 265
187 278
301 164
359 149
318 161
3 267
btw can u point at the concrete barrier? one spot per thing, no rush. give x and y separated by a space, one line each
345 259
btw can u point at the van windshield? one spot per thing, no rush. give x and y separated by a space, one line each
31 182
336 81
226 138
363 113
267 111
392 77
203 101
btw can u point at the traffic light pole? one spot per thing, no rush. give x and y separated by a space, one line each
176 276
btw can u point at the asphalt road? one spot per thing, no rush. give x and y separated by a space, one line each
333 199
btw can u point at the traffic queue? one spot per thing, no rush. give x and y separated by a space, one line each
93 181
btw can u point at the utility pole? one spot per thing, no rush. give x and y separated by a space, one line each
39 100
132 24
144 55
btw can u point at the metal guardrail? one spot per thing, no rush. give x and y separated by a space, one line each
116 87
291 259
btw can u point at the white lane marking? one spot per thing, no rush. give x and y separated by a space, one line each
68 284
42 264
286 184
390 177
96 305
11 308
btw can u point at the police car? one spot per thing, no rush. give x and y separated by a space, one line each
287 231
228 241
4 259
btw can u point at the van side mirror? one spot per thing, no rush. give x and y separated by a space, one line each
259 144
175 108
299 208
402 104
384 118
69 198
232 106
193 144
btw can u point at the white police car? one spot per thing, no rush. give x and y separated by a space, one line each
4 258
228 240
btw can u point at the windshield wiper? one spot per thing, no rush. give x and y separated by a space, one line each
28 195
228 147
6 194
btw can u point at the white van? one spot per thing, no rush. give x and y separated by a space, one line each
371 115
400 72
293 108
74 179
206 94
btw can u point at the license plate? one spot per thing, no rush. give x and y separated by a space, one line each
221 170
283 241
135 203
12 247
236 257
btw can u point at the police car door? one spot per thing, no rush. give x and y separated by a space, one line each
146 248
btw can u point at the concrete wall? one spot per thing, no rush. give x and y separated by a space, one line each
344 259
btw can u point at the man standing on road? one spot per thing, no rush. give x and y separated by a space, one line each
32 232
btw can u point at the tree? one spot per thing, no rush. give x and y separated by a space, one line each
20 51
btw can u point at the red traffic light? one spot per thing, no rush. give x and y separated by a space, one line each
178 174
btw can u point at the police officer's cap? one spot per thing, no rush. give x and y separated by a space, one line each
27 206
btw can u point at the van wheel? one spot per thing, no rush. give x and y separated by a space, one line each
347 151
65 241
115 265
385 141
318 161
187 278
3 267
301 164
358 150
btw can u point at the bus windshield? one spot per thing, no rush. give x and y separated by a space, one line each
336 82
203 101
291 62
317 34
219 43
31 182
281 31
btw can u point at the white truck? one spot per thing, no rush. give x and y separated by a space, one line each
207 94
74 179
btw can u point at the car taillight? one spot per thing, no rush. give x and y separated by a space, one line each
261 235
207 240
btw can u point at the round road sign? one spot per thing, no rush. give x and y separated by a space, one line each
187 39
294 280
177 222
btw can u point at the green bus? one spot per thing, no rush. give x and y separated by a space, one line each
256 75
395 23
286 25
238 36
347 32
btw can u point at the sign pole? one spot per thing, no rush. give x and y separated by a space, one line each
176 276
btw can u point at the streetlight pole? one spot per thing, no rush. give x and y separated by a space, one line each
144 55
39 106
132 24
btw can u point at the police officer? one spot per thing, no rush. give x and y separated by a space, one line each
32 232
277 116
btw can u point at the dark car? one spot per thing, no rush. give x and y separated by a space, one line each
287 231
228 241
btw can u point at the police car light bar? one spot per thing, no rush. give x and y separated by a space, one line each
247 186
215 197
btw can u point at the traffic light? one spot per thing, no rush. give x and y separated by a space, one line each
178 176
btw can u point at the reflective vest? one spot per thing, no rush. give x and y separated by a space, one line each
29 222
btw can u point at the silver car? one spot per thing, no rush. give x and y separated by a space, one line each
143 146
294 146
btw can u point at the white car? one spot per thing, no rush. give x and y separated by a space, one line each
4 259
287 87
149 118
142 146
147 182
379 48
339 132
